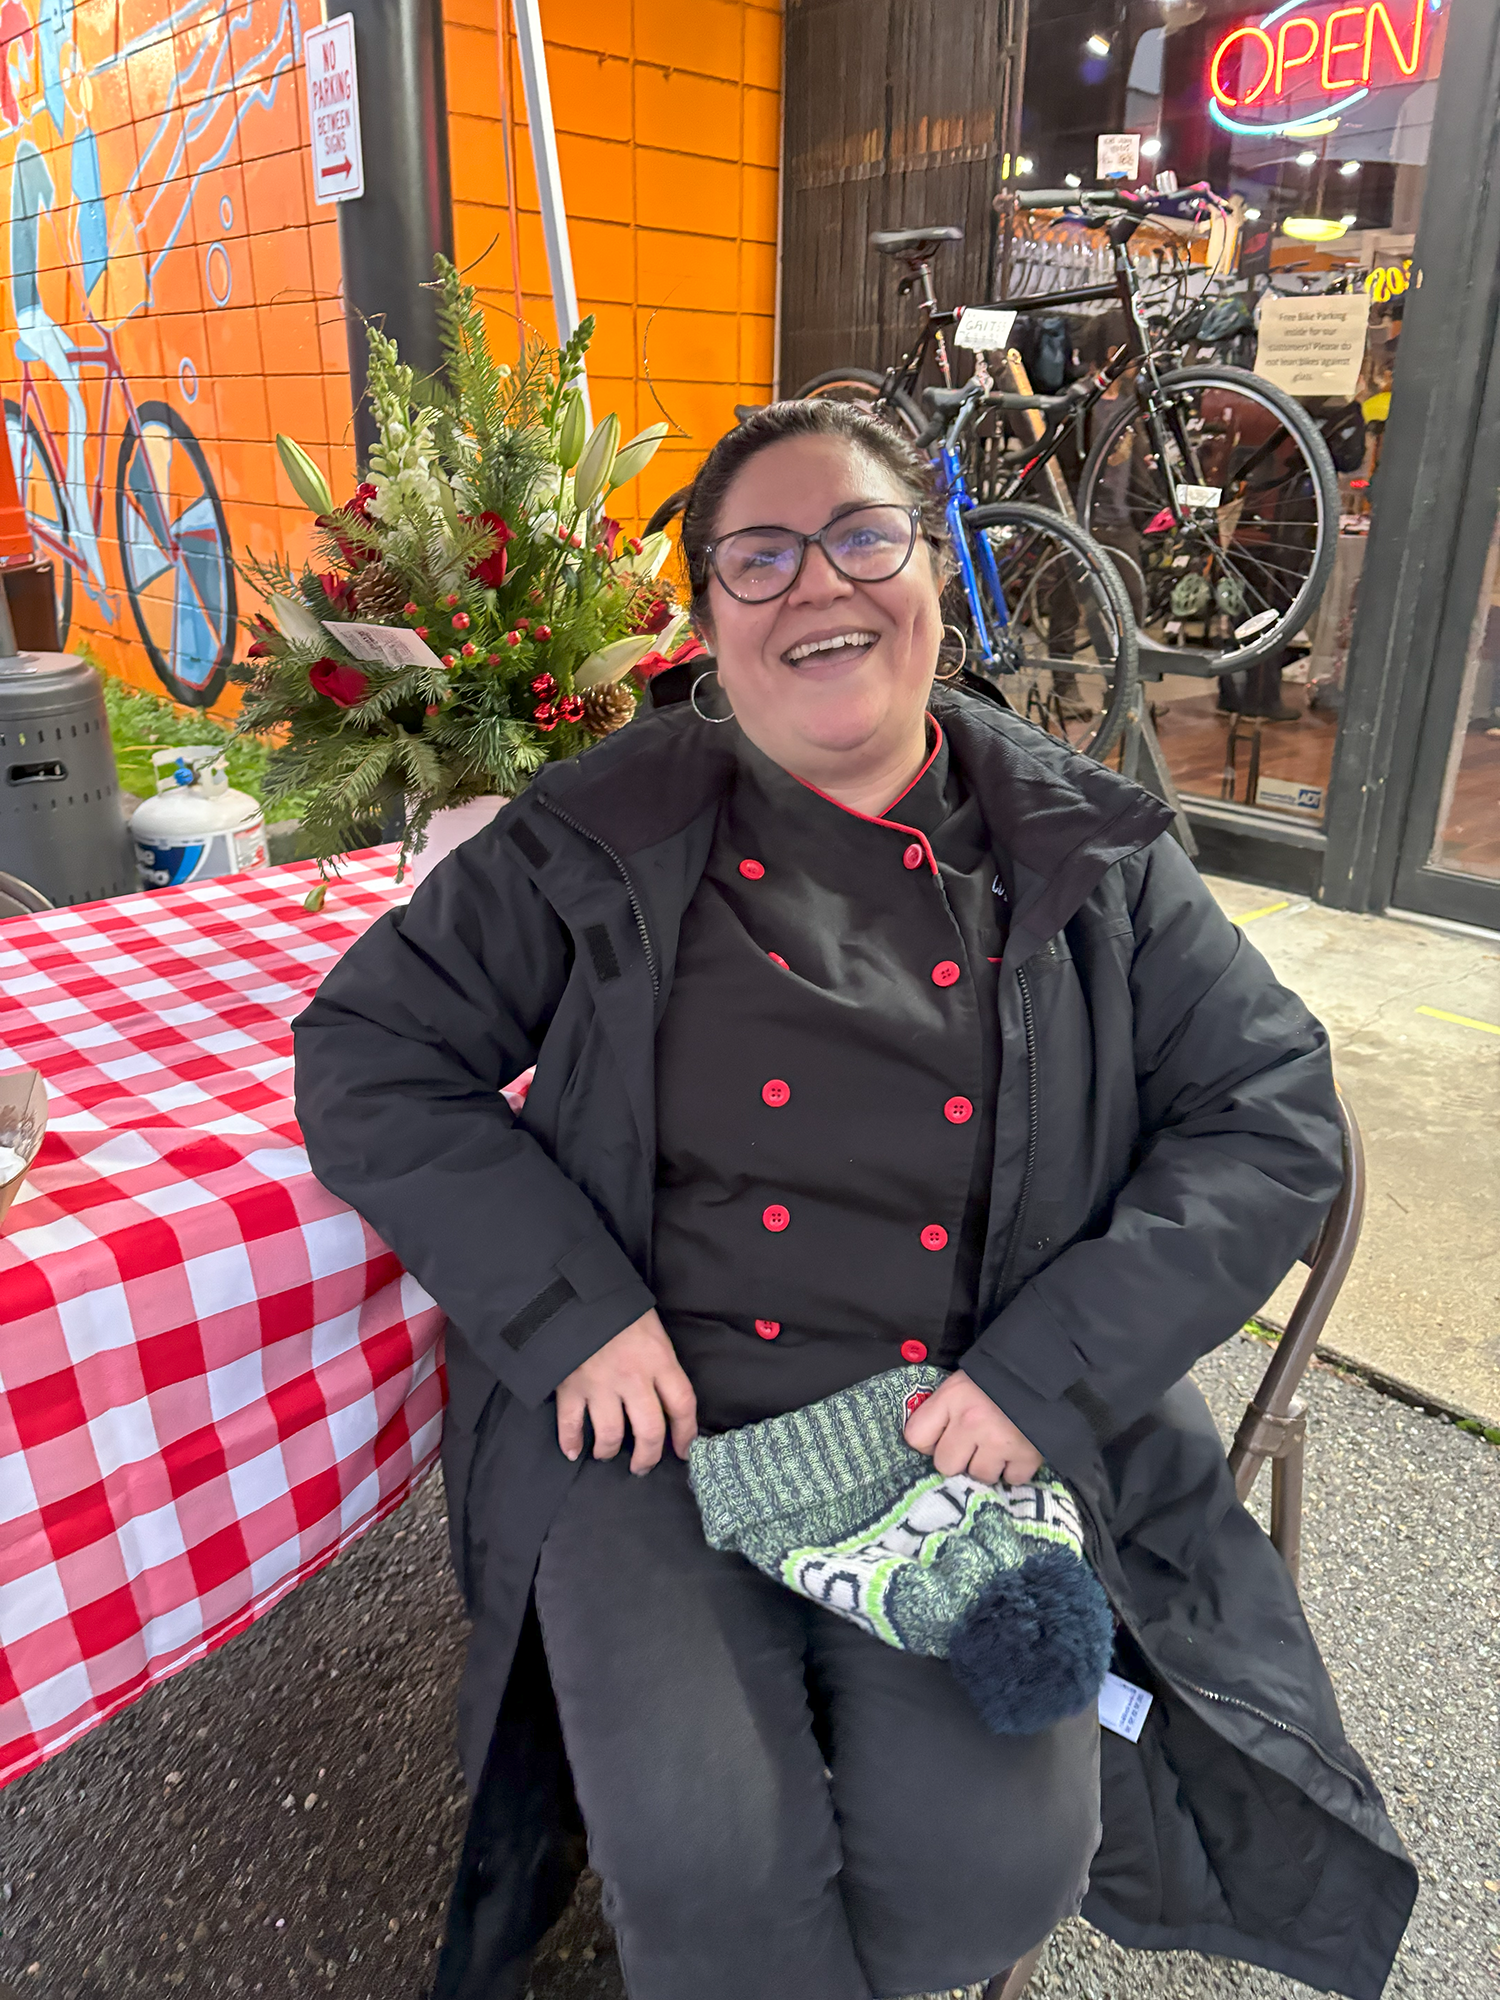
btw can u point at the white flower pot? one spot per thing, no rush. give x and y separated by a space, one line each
450 828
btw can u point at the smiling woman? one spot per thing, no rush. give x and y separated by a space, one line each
903 1105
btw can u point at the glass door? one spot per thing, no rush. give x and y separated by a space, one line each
1450 859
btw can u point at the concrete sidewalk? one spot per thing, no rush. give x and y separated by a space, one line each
1414 1014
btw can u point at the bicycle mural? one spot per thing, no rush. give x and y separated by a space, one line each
167 286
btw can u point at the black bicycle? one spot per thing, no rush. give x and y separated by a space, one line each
1214 490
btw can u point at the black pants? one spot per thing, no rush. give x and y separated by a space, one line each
778 1804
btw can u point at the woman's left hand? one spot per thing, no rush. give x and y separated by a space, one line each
961 1430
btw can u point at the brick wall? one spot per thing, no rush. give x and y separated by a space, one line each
668 124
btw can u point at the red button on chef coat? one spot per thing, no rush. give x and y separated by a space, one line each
913 1350
776 1093
776 1217
914 857
768 1328
934 1236
945 972
958 1111
752 870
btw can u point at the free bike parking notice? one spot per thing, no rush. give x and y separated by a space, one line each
1313 347
333 111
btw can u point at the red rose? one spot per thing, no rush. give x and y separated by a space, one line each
656 663
344 686
339 590
490 569
658 617
364 493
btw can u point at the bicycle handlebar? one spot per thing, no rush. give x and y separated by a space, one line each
1120 199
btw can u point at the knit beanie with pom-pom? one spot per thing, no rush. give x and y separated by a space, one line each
833 1502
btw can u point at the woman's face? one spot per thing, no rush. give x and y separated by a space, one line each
861 700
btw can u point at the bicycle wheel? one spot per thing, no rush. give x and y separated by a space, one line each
45 508
1063 627
864 388
174 549
1245 570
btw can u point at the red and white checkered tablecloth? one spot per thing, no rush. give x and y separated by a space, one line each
213 1375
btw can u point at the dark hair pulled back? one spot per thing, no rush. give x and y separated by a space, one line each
777 421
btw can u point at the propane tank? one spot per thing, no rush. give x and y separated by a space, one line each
197 826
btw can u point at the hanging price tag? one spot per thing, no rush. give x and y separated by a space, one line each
1118 156
983 328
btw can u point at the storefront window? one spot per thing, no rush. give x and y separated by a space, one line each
1315 120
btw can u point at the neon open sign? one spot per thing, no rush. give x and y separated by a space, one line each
1337 55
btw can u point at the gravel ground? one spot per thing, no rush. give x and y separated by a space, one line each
285 1817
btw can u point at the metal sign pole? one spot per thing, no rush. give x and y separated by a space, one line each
548 174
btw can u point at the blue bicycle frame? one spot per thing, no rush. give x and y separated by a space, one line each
957 502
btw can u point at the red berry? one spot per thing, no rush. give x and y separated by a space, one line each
449 661
542 632
544 685
450 600
493 659
432 708
411 611
570 708
545 717
523 624
469 649
460 621
512 638
633 545
421 631
533 597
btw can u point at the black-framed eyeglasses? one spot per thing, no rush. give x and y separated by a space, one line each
867 545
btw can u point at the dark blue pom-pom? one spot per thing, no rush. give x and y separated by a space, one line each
1036 1647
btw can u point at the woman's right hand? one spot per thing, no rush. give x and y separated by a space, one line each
637 1379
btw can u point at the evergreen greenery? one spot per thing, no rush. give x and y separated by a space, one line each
481 527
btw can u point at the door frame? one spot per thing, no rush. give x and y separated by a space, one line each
1428 541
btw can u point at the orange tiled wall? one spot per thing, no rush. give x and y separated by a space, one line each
668 133
172 295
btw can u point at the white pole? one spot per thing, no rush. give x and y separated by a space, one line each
548 175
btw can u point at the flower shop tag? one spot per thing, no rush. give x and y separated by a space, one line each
1123 1707
386 645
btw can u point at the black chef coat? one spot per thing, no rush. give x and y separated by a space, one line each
826 1080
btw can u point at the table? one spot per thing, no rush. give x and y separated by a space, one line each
213 1375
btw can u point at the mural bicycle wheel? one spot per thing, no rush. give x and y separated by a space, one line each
174 548
41 488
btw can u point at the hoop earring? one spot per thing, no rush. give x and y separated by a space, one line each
711 675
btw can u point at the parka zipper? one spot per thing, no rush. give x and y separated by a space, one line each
624 873
1033 1120
1091 1550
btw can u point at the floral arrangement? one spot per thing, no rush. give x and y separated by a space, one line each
472 611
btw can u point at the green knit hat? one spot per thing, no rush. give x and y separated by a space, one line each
833 1502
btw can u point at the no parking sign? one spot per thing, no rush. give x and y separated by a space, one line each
333 111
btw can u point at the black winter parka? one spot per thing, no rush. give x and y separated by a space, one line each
1166 1146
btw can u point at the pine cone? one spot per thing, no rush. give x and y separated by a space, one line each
378 594
607 708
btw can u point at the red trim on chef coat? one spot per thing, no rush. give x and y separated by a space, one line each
883 819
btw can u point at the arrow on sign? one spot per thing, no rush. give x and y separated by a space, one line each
345 166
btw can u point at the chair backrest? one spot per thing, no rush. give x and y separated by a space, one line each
1328 1260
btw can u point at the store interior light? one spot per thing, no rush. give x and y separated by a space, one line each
1151 148
1348 220
1023 165
1097 45
1252 215
1072 181
1315 228
1349 167
1307 159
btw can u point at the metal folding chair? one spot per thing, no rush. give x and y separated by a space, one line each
1274 1425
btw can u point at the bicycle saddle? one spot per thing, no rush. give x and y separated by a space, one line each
914 242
